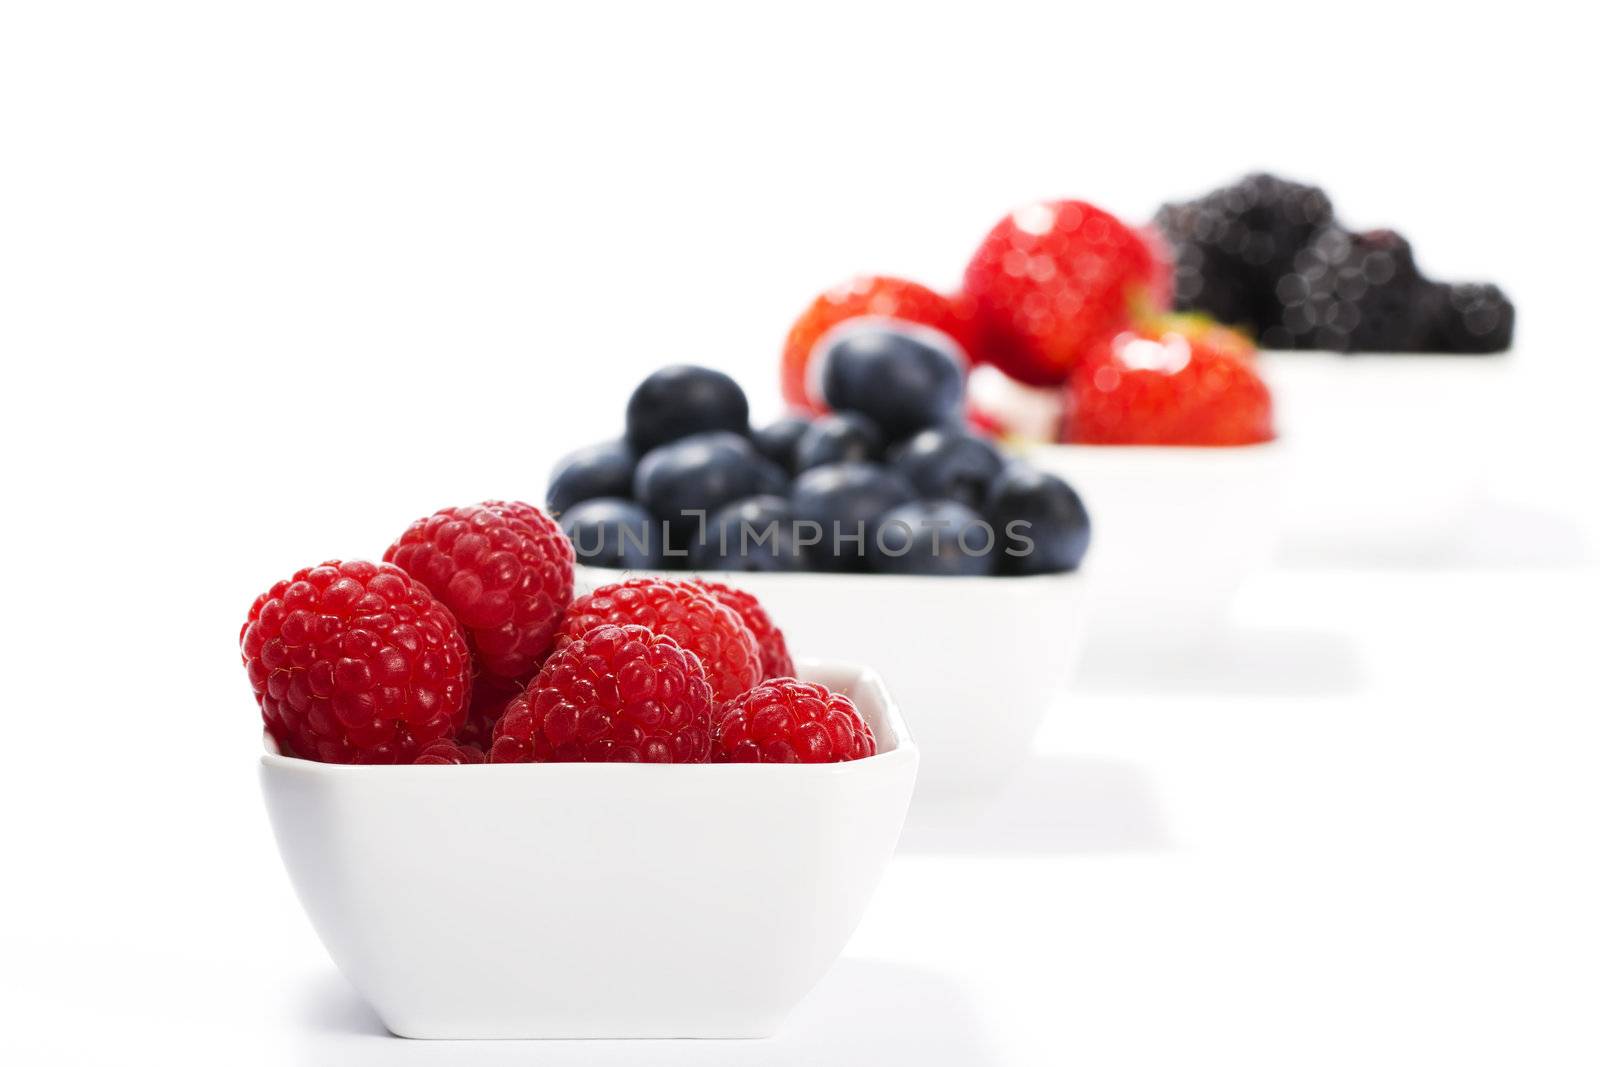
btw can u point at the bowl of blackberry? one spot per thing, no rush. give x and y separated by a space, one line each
1385 374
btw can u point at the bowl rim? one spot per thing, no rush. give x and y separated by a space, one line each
1261 450
903 748
734 577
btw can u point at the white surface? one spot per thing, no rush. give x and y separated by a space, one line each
1018 641
1362 831
594 901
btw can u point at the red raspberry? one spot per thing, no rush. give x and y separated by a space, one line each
490 695
355 663
679 610
788 721
775 659
1182 380
892 298
1052 279
618 694
504 568
447 752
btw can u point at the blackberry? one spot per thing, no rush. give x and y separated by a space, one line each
1355 292
1473 318
1232 245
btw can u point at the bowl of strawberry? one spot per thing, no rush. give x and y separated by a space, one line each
655 822
875 524
1168 428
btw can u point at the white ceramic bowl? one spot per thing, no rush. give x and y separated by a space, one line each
593 900
1176 531
1387 450
975 662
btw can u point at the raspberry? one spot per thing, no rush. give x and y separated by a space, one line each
618 694
490 695
880 297
775 659
679 610
447 752
1053 278
1179 381
788 721
505 570
355 663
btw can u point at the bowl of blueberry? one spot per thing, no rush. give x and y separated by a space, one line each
877 523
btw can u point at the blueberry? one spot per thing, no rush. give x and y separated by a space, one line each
677 401
611 532
842 438
754 534
948 464
697 474
904 379
843 502
1056 533
776 440
933 537
599 470
771 479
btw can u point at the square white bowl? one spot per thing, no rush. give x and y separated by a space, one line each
564 900
1387 450
1176 531
974 662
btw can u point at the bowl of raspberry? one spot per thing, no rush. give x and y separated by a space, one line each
509 813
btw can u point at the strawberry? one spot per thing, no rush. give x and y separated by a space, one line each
868 295
1052 279
1177 380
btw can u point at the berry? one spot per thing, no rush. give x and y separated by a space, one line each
1357 292
1231 246
946 464
681 400
789 721
683 481
355 663
1474 319
618 694
753 534
868 296
844 501
1004 407
616 533
679 610
775 659
776 441
1175 382
842 438
449 753
939 537
599 470
905 378
1051 279
503 568
490 695
1040 525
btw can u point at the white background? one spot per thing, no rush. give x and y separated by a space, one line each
276 279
